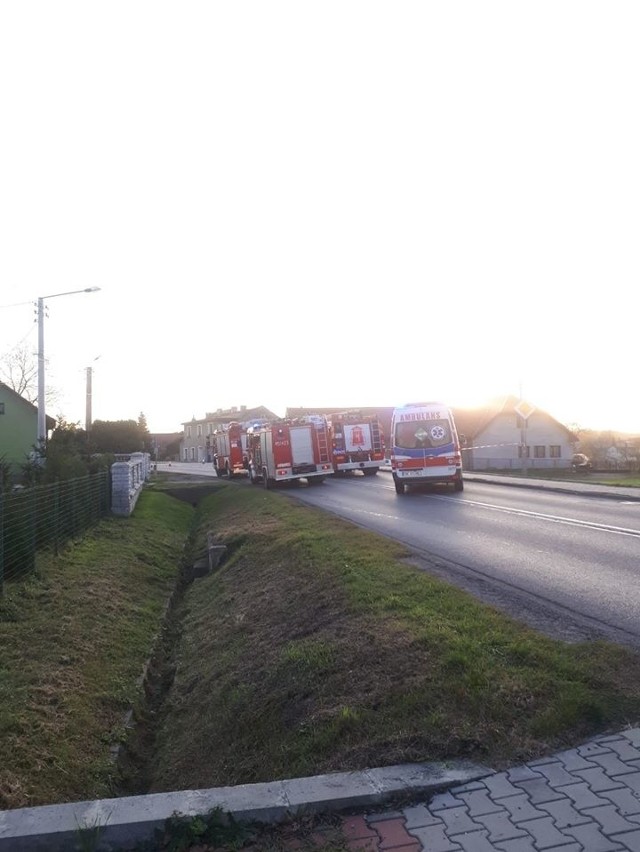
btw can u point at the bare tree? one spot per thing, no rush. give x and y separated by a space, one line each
19 371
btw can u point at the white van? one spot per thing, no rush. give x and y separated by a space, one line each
425 447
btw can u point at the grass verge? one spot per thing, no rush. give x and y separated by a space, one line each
314 648
73 642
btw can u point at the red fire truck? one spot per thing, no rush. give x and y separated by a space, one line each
356 442
288 450
229 445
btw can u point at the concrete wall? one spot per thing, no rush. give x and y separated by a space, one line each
127 480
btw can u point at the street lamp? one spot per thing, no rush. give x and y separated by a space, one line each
42 423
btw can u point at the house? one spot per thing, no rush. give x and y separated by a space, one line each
18 428
196 435
497 433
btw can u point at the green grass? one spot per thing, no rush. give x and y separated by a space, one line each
314 647
74 639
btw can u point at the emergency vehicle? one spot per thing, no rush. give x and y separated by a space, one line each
288 450
356 442
229 445
425 447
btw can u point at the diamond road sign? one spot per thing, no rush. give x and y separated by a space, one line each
524 409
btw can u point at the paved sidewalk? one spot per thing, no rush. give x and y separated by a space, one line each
586 798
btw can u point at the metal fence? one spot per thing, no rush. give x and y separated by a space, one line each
47 516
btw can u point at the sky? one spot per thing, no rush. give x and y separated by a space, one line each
323 204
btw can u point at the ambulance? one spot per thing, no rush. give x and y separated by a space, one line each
425 447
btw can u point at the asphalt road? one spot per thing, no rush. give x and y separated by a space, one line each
568 564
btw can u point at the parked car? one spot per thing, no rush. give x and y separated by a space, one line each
580 462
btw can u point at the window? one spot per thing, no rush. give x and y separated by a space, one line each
1 407
526 454
539 452
199 428
193 453
554 451
188 431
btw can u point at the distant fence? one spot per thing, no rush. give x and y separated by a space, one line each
47 515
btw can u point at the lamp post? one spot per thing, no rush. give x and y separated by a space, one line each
42 422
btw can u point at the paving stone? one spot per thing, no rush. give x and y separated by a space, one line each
625 750
522 773
475 841
433 838
393 834
420 815
478 802
442 801
629 841
544 833
633 735
591 838
582 796
610 820
500 826
467 788
356 828
538 790
625 801
564 814
571 760
598 780
499 786
557 775
612 764
588 750
457 821
524 844
521 808
633 781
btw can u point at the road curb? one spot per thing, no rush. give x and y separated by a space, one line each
121 823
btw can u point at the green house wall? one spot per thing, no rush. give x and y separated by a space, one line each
18 427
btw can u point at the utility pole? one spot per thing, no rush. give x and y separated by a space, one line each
88 419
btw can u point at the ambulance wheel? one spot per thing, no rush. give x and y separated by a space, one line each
399 486
266 482
458 485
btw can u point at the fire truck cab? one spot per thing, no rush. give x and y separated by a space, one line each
289 450
356 442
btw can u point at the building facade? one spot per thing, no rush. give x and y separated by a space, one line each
18 428
196 444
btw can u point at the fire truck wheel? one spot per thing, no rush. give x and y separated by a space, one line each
370 471
315 480
219 472
266 482
399 486
228 472
252 476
